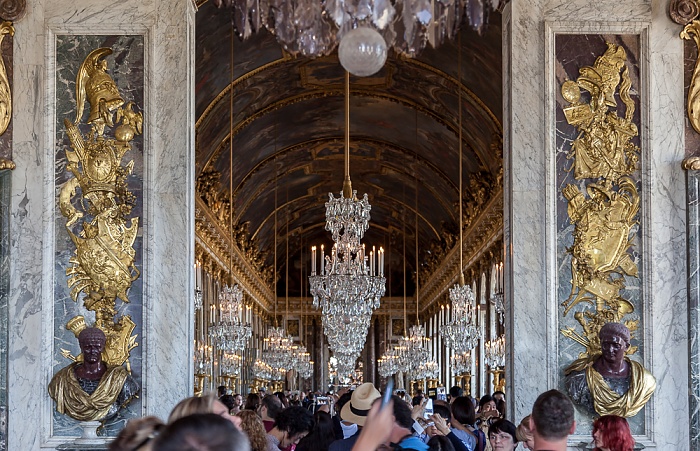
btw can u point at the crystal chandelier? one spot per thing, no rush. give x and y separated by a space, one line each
303 364
277 349
461 334
363 28
413 352
230 365
202 361
229 333
461 362
387 364
349 284
495 353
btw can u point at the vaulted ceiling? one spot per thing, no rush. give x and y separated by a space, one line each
288 137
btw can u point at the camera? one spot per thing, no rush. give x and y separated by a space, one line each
322 400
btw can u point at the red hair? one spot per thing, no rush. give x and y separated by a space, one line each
615 432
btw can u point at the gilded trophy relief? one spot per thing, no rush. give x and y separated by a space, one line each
98 201
7 31
599 190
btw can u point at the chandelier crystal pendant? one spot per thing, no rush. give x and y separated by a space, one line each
229 333
348 284
313 28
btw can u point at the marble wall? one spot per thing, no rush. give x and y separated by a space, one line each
537 269
5 183
49 43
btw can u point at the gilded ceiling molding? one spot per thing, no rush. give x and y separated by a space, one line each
224 92
216 241
465 91
450 125
311 146
482 235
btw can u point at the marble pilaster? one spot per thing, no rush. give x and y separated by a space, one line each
166 30
532 326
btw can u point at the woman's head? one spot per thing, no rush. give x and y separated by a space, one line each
253 426
203 404
463 410
502 436
252 402
322 434
201 431
487 403
137 435
524 434
612 433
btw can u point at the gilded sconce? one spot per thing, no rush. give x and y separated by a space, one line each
604 216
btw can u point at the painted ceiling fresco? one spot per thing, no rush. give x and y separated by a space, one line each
288 138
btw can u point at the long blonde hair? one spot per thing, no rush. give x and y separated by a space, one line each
523 432
194 404
253 426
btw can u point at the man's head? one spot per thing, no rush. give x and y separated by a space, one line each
270 407
92 342
499 396
361 401
402 418
294 423
220 390
552 416
614 341
455 392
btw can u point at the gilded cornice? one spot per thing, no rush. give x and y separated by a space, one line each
479 238
217 242
691 164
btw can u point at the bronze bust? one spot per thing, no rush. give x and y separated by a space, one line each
91 390
610 383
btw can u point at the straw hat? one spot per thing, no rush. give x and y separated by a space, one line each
361 401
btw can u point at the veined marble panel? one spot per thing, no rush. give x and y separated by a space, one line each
5 181
126 66
572 52
693 187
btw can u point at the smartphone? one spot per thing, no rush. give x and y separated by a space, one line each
428 412
387 392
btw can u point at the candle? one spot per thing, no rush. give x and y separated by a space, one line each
323 262
313 260
381 261
371 263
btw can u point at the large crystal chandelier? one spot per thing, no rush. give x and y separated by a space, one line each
348 284
461 334
229 333
363 28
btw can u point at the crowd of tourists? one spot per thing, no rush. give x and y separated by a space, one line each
359 420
